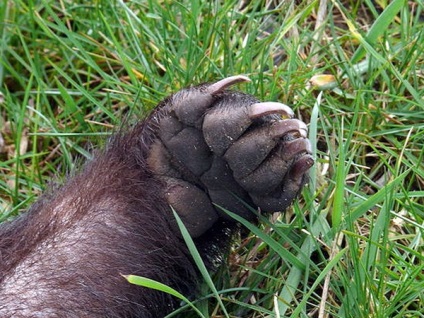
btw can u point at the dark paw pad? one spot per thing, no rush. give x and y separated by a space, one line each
221 147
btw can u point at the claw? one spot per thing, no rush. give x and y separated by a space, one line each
226 82
301 166
261 109
297 146
285 126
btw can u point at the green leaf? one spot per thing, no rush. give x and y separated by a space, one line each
378 28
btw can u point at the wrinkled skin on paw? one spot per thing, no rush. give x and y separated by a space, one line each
219 147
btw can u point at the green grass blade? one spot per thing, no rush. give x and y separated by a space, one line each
198 260
150 283
378 28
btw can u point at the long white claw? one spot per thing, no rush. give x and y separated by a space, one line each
261 109
226 82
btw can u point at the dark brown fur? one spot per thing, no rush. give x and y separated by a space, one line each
67 254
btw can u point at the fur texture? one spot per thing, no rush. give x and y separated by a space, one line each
67 254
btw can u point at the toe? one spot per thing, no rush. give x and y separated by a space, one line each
192 205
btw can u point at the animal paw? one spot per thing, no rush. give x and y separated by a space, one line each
216 147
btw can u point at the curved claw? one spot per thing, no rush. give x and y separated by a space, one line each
295 147
226 82
262 109
294 126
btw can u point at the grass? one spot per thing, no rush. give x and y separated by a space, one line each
352 245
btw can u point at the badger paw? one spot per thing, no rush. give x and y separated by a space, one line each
216 147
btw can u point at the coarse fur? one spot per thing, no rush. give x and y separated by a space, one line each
106 221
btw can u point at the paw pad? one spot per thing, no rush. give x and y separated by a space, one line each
215 145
